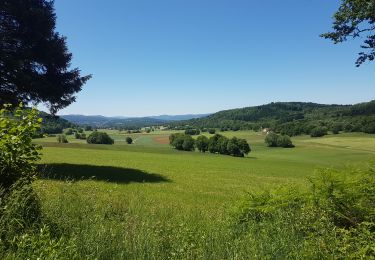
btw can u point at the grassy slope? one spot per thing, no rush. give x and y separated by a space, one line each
150 201
207 181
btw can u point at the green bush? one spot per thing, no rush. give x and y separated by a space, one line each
211 131
318 131
20 210
275 140
129 140
62 139
335 218
271 139
17 152
99 138
284 141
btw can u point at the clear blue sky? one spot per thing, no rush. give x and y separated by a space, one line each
197 56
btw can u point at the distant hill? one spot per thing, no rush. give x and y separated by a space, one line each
103 121
53 124
179 117
292 118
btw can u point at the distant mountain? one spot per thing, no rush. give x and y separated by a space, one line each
103 121
179 117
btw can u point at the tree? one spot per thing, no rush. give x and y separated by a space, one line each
190 131
284 141
62 139
355 18
318 131
202 143
129 140
99 138
181 142
34 59
244 146
271 139
213 146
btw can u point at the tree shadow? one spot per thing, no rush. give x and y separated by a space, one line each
77 172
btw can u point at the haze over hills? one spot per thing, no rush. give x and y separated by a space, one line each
102 121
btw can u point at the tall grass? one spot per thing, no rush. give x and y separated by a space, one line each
334 219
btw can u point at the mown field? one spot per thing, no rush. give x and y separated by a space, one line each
147 200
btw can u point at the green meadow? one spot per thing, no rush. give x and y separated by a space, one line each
147 200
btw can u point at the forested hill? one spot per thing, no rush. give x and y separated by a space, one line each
292 118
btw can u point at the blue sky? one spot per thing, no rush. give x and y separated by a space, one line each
197 56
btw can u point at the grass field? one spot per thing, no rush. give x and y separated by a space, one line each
152 198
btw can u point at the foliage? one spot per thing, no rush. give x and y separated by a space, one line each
20 209
190 131
318 132
99 138
182 142
274 140
271 139
354 19
62 139
336 215
69 131
223 145
211 131
288 118
79 135
17 152
129 140
202 143
35 62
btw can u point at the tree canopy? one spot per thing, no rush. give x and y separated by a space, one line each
355 18
34 58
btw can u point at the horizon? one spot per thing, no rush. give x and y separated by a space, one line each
177 58
209 113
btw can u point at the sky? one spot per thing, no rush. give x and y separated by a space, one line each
152 57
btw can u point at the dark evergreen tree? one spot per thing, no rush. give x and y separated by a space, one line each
34 59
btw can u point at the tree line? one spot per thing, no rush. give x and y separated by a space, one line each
216 144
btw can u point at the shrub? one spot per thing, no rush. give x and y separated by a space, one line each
129 140
318 131
271 139
62 139
369 128
275 140
284 141
17 152
336 128
20 209
202 143
99 138
68 131
211 131
334 218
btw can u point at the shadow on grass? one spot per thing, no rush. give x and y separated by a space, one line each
76 172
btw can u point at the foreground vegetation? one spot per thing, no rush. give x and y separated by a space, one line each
147 200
